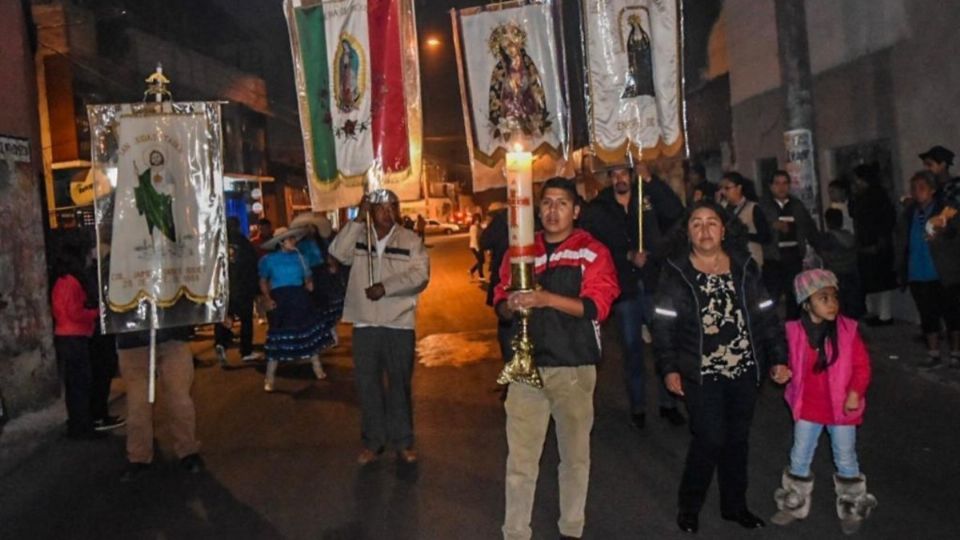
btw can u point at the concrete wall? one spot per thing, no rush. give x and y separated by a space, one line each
883 69
28 375
839 32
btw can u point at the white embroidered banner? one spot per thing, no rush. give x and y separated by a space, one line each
161 241
512 89
634 81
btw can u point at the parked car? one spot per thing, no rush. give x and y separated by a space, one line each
436 227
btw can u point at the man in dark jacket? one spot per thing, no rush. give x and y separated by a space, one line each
792 230
577 285
243 289
612 219
495 239
938 161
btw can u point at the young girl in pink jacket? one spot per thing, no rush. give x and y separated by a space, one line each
830 371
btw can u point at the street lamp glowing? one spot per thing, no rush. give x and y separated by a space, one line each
433 42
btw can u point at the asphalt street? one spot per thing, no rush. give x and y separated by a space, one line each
282 465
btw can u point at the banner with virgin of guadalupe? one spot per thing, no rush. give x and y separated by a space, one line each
634 77
159 214
511 84
358 86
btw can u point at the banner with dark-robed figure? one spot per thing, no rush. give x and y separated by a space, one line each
634 78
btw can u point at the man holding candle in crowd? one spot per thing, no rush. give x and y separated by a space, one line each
383 309
612 217
577 284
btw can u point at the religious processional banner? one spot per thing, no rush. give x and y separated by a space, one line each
357 75
634 77
512 87
159 214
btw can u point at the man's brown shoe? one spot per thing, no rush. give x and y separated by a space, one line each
408 456
367 456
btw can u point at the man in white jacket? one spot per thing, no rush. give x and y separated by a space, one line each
383 317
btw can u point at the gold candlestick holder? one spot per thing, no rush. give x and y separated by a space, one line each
520 368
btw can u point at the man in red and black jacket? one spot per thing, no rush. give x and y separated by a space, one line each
577 284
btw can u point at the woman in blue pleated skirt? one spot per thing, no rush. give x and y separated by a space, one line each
297 331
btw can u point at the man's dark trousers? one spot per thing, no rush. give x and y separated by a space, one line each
632 313
778 278
386 412
242 307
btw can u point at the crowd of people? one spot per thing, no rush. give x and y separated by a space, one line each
706 281
711 281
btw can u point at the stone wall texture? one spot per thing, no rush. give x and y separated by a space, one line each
28 371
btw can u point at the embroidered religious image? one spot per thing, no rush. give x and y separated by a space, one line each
154 196
517 100
348 85
639 77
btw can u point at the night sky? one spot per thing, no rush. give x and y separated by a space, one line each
256 33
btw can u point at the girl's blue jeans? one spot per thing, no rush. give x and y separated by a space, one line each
843 441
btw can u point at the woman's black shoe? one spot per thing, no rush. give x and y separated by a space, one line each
688 523
746 519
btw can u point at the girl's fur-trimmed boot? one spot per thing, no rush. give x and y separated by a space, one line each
793 498
853 502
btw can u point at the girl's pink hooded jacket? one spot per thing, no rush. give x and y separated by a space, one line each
851 371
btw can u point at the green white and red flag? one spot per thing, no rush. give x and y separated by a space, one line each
358 90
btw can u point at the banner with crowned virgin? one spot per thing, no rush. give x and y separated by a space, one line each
634 78
159 214
512 87
357 75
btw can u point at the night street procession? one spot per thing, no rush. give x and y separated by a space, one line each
467 269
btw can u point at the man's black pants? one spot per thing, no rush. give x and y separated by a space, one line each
778 279
242 308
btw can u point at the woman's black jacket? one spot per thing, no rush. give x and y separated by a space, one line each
677 328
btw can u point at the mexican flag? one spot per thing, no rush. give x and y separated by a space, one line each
359 97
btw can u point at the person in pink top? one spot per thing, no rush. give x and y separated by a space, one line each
74 320
830 372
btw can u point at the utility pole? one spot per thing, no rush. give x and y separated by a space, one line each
797 81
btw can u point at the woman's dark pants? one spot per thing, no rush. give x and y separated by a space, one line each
721 411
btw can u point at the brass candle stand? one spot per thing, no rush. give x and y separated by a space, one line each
520 368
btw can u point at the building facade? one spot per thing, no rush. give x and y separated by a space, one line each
885 85
28 369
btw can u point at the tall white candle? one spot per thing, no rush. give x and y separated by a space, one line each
520 206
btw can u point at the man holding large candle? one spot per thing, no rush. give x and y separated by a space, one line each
577 284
